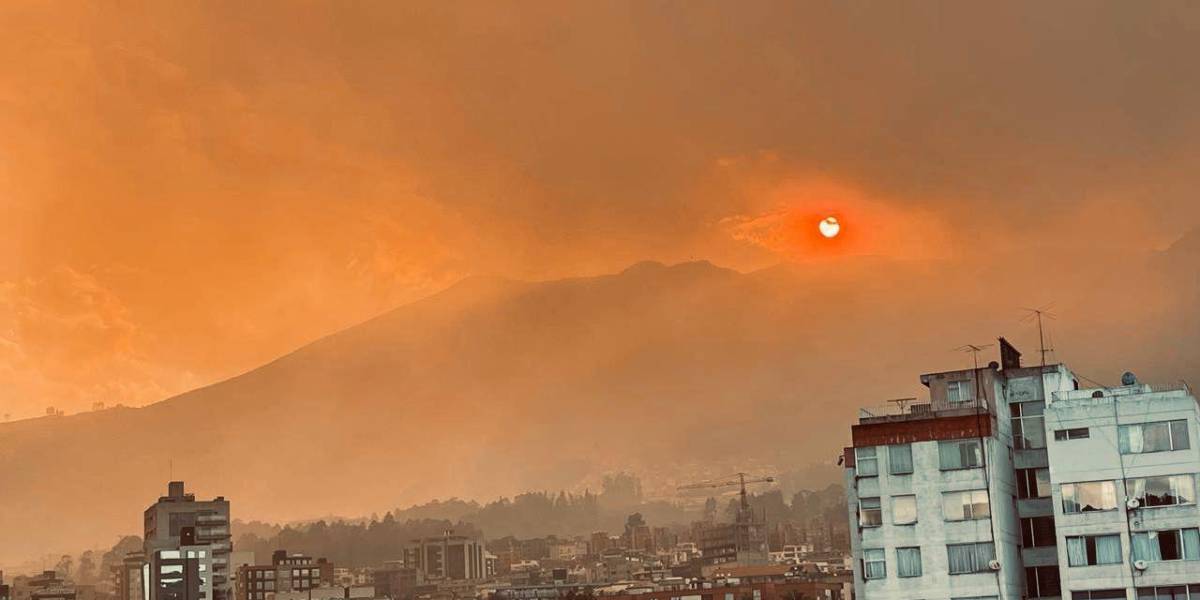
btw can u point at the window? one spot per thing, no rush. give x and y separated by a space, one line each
959 454
1153 437
900 459
960 391
1038 532
904 510
1033 483
1089 496
970 558
1029 428
1169 592
963 506
869 512
1075 433
1099 595
866 462
1167 490
1042 582
1170 544
874 564
908 562
1087 550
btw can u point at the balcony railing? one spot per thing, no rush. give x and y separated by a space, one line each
1138 389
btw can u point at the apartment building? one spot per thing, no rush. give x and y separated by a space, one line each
187 543
1123 463
1011 482
450 557
286 573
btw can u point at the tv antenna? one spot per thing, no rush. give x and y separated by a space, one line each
974 350
1038 313
902 403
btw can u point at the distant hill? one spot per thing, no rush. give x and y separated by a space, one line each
492 387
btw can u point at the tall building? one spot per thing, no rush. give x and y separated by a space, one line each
450 557
182 573
187 545
1010 482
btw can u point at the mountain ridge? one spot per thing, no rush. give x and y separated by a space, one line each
495 386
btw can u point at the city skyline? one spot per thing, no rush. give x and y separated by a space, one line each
583 299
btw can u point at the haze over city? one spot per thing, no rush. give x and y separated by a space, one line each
337 261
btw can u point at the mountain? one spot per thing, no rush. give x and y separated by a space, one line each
494 386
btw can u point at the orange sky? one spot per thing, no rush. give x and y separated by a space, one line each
190 189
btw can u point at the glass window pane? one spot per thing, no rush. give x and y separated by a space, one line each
1043 482
908 562
866 463
1157 437
904 510
1179 435
900 459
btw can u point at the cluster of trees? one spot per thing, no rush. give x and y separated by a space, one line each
93 566
544 513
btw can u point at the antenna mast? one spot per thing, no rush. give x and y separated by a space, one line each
1038 313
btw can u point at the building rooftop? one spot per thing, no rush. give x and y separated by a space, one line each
1135 389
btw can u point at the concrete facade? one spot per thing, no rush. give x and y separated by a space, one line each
1098 457
956 502
1060 469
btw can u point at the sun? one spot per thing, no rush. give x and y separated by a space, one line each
830 227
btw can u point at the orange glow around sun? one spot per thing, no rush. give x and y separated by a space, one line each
823 219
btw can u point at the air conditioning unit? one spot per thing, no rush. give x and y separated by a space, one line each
1140 565
1133 504
994 565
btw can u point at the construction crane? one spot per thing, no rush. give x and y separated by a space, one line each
740 481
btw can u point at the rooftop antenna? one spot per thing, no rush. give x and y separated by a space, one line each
974 350
1038 313
902 403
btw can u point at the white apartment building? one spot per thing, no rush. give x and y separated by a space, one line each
1123 467
1012 483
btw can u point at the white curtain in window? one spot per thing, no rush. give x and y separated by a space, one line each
962 559
1129 438
908 562
1137 489
874 564
970 558
1184 488
1076 551
1145 546
900 459
948 455
1191 544
866 462
1108 549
